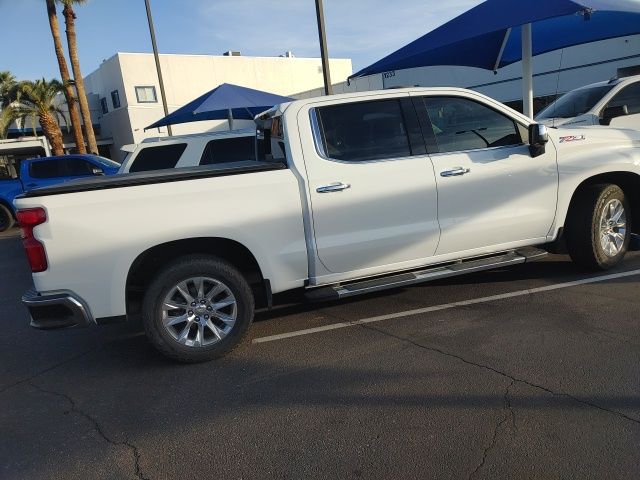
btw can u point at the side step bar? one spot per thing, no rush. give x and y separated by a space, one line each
345 290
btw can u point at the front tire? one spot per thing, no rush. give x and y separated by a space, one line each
598 232
197 308
6 218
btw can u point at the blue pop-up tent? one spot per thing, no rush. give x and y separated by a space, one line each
225 102
497 33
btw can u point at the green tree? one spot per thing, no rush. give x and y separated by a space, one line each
66 78
37 101
70 22
8 92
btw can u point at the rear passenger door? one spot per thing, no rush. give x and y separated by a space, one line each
371 185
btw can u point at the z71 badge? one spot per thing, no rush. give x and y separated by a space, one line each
572 138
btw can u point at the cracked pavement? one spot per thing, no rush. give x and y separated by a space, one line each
543 386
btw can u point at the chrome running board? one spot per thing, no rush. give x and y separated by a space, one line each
361 287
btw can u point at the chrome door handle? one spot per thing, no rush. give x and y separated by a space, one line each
455 172
333 187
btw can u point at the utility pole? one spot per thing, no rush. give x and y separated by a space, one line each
323 48
157 58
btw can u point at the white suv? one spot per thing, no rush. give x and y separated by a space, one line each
189 150
615 103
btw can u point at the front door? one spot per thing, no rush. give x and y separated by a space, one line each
491 192
371 185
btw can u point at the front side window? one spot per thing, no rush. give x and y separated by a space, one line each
629 96
158 157
146 95
357 132
115 99
461 124
76 167
228 150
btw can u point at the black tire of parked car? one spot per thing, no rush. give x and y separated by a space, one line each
189 267
583 230
6 218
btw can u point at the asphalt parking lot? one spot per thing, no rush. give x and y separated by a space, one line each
527 372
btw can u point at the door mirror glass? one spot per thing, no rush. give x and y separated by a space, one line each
538 138
610 113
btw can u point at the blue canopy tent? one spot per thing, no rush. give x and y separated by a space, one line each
226 101
497 33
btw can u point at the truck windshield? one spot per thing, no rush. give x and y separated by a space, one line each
574 103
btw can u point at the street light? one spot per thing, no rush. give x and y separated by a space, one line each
157 58
323 48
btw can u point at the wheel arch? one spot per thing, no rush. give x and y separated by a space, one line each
629 182
6 203
151 261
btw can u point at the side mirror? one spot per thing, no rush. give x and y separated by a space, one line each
610 113
97 171
538 138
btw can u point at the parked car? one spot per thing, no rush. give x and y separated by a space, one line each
44 172
615 103
189 150
356 193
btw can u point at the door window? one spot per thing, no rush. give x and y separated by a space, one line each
46 169
76 167
629 96
158 158
460 124
228 150
357 132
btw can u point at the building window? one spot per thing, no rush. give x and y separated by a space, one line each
115 99
104 106
146 95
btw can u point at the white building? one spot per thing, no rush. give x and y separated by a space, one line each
555 73
125 95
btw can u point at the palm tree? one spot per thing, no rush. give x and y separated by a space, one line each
66 78
8 90
70 22
36 100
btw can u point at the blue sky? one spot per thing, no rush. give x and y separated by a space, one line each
364 30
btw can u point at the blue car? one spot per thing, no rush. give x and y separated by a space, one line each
43 172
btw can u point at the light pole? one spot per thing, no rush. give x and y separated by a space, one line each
323 48
157 58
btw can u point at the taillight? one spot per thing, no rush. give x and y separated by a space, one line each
30 218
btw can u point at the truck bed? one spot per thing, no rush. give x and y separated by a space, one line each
157 176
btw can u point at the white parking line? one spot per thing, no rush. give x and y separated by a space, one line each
446 306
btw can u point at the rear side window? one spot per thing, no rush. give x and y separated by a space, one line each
46 169
460 124
228 150
158 157
362 131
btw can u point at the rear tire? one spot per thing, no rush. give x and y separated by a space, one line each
197 308
598 230
6 218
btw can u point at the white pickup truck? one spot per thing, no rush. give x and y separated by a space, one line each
355 193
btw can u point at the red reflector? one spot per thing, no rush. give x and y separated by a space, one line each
30 218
